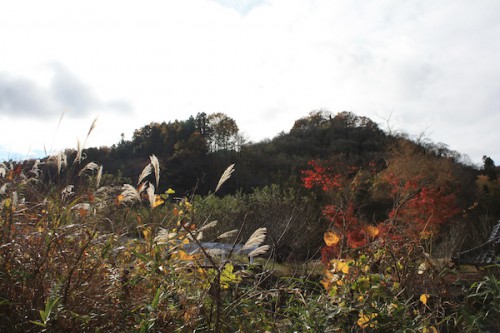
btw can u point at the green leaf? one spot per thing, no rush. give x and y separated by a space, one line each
36 322
156 299
145 258
227 276
43 315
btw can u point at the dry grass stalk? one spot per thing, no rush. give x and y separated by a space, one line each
225 176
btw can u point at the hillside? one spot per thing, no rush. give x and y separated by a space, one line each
347 227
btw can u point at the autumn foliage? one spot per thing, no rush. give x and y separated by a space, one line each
417 191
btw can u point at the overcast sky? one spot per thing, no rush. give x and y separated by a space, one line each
429 67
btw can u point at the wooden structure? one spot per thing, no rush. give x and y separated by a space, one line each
483 255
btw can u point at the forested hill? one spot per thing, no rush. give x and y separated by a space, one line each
194 152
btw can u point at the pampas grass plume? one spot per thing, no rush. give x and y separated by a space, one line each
256 239
225 176
258 251
156 167
92 166
228 234
99 176
145 172
151 194
208 226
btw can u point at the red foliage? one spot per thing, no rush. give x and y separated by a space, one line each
419 207
357 238
328 253
320 176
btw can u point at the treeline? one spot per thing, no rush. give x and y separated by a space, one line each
193 152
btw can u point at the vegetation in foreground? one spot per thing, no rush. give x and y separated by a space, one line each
78 253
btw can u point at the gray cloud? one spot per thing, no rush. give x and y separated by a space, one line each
22 97
72 93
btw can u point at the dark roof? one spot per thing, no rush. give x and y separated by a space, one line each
485 254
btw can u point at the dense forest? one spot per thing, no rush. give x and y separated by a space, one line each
99 238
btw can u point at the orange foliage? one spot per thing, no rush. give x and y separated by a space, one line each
420 204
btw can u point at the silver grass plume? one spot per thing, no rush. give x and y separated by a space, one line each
225 176
92 127
67 191
78 157
164 236
92 166
90 130
35 170
98 177
83 205
258 251
228 234
145 172
150 191
156 167
256 239
208 226
3 189
130 193
142 187
61 161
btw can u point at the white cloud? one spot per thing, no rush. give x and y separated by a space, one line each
432 64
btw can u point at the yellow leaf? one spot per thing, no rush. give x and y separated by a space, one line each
147 233
366 320
331 238
425 234
184 256
158 201
326 283
424 298
340 266
372 231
